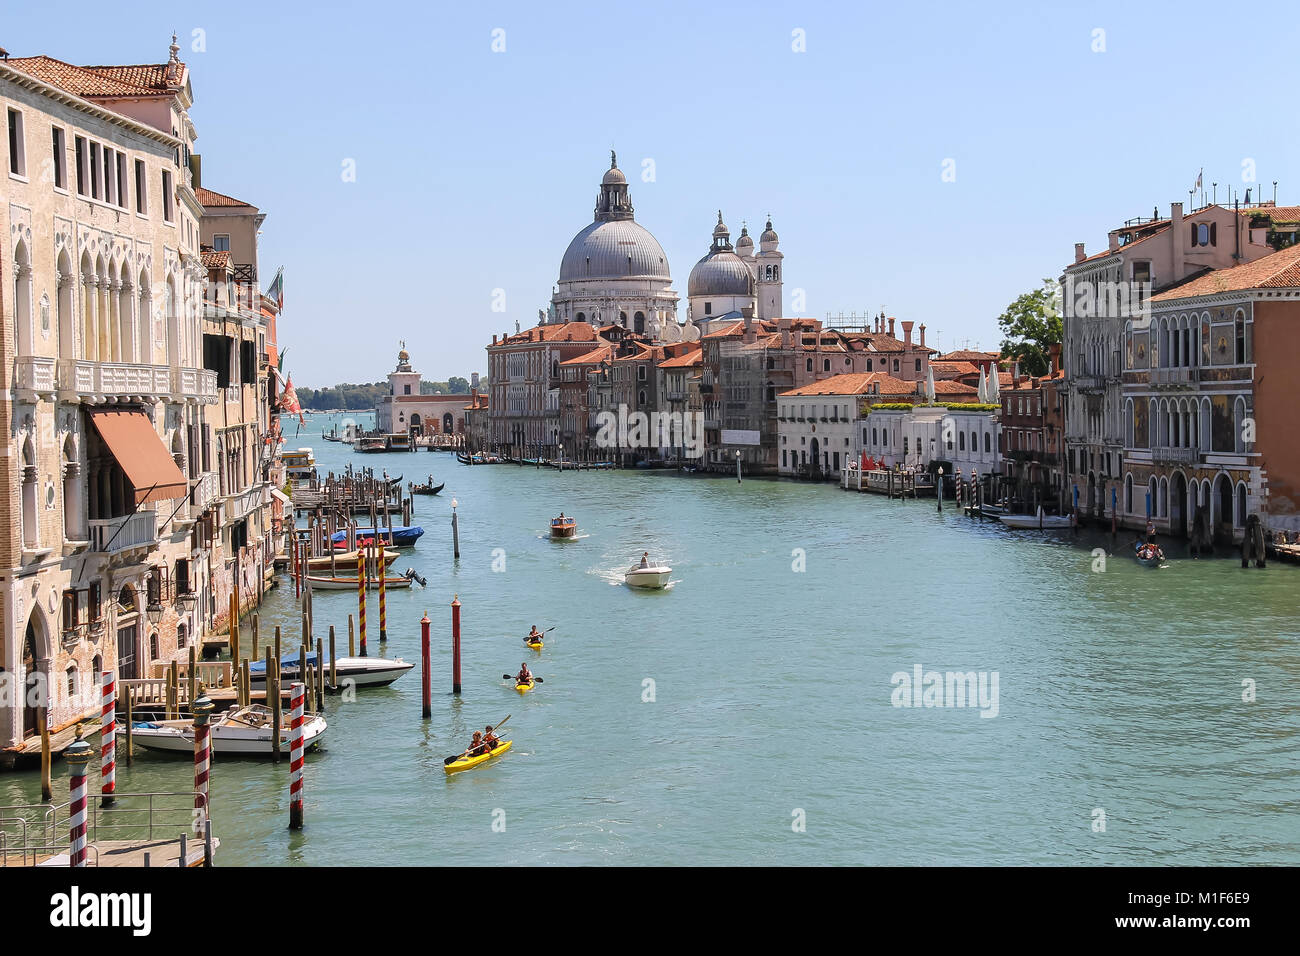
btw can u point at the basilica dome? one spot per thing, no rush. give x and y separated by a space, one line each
614 249
720 273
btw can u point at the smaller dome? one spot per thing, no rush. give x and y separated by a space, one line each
745 244
613 177
769 234
403 356
720 273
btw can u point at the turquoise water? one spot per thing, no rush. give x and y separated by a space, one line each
1119 691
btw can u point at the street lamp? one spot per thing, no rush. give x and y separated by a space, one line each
455 530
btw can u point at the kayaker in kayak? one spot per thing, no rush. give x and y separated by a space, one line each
524 675
489 739
476 745
533 636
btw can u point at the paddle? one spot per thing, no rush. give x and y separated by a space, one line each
529 639
455 757
512 677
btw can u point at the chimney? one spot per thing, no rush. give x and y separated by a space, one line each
1079 254
1054 365
784 326
494 340
749 335
473 380
891 326
1113 242
907 334
1177 270
922 335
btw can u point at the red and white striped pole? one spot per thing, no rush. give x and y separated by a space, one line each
298 694
108 740
78 757
202 709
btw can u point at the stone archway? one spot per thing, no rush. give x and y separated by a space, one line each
416 424
36 646
1178 505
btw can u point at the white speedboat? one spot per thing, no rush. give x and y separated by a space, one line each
1036 522
362 671
651 576
245 732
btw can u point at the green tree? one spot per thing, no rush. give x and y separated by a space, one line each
1030 326
457 385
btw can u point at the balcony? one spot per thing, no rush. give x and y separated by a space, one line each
1175 456
34 378
205 491
97 382
114 535
243 503
1175 377
194 386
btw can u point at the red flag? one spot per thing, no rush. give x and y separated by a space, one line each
289 401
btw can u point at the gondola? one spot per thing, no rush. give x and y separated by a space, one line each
427 489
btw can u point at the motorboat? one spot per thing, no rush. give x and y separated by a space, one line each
324 582
347 561
362 671
647 576
245 732
1037 522
564 527
400 536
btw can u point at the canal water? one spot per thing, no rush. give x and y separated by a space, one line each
747 713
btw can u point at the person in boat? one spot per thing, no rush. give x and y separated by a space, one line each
524 676
645 559
533 636
476 745
489 739
1151 531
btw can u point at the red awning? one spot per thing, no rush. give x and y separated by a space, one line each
142 455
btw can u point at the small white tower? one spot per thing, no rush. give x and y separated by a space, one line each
768 274
404 380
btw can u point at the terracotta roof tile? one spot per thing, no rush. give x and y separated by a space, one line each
149 79
215 260
208 198
1281 270
854 383
693 357
591 358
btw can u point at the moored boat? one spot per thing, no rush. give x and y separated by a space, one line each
371 445
245 732
400 536
427 489
464 762
361 671
324 582
1038 522
346 561
564 527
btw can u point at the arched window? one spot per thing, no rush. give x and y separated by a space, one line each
31 535
1240 521
72 524
1128 493
826 365
1240 325
988 444
23 299
961 441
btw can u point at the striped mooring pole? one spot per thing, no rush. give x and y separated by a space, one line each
383 602
107 740
202 710
77 757
361 598
298 695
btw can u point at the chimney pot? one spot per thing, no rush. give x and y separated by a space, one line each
1112 242
494 340
922 335
891 326
907 333
1079 254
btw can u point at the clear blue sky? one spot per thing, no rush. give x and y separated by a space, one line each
474 169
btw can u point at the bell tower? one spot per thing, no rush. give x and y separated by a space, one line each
768 273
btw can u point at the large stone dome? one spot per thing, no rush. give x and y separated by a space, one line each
720 273
617 249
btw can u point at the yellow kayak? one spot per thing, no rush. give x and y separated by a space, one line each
465 763
535 645
525 687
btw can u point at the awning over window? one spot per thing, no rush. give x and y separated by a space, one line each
282 496
142 455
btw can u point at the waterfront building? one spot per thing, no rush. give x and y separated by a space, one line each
614 272
576 425
1033 438
815 423
950 430
101 295
679 396
1209 402
1103 291
237 490
524 384
476 421
405 411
